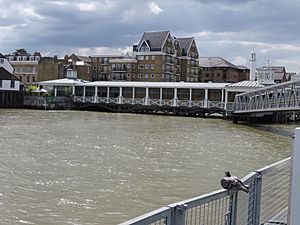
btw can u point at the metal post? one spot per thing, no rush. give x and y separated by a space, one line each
96 94
206 98
254 201
178 214
175 98
233 208
107 95
55 91
226 99
294 206
222 98
160 96
190 98
146 101
83 93
120 98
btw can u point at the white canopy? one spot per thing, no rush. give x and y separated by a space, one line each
62 82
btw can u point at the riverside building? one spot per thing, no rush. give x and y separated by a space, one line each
158 57
25 65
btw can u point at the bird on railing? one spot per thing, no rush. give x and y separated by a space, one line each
233 183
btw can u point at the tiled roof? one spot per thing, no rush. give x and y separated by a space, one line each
185 43
5 75
84 58
215 62
155 39
241 67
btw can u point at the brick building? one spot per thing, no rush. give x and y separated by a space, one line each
217 69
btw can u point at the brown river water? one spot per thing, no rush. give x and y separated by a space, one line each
75 167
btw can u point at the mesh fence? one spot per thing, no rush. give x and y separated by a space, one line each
215 212
265 204
275 194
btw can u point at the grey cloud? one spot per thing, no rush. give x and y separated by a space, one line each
60 25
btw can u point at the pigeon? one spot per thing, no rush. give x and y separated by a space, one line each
233 183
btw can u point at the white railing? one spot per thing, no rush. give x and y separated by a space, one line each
149 101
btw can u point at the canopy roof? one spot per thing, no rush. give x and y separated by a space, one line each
62 82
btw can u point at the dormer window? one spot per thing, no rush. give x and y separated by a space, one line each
37 58
31 58
19 58
24 58
2 61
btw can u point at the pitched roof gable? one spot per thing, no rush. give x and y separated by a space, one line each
185 44
154 39
215 62
5 75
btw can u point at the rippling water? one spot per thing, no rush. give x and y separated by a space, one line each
68 167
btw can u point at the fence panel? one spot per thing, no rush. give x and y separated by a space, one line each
266 203
275 192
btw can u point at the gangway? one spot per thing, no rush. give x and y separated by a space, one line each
276 100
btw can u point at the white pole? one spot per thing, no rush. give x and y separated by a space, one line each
226 99
206 98
294 208
96 94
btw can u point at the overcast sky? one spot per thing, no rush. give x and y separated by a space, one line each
226 28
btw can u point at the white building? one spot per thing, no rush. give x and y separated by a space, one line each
8 82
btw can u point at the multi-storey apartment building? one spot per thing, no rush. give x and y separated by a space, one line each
158 55
189 60
217 69
25 65
102 67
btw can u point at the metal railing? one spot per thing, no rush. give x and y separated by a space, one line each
148 101
266 203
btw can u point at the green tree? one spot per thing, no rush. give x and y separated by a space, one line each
20 51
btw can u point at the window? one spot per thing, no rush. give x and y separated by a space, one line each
163 67
162 76
146 57
19 58
28 79
37 58
94 59
31 58
100 67
94 67
146 66
140 57
153 57
33 79
24 58
128 74
152 66
141 66
152 75
140 75
12 84
146 76
128 66
0 83
1 61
